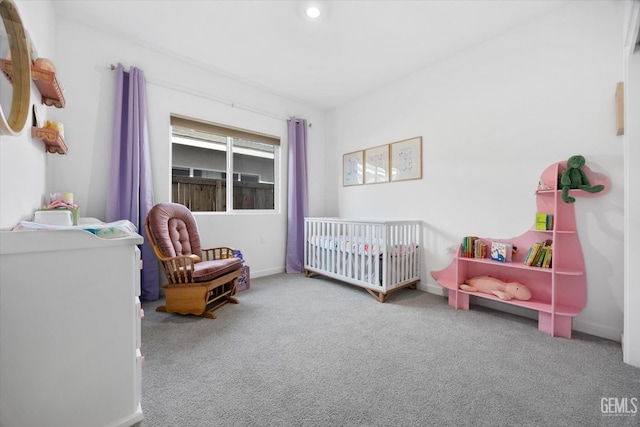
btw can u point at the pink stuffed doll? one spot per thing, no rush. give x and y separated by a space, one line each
503 290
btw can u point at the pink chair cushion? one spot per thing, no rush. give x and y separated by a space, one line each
174 229
209 270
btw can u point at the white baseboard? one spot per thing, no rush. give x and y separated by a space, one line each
606 332
267 272
432 289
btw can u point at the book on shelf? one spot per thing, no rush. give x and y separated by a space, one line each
536 253
467 246
539 254
544 221
479 249
501 251
531 253
547 258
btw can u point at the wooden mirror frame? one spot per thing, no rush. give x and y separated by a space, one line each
21 70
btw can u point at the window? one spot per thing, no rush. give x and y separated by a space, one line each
217 168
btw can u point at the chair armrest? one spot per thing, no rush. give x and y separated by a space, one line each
179 269
222 252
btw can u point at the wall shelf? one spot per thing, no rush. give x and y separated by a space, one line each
45 80
558 293
49 88
52 138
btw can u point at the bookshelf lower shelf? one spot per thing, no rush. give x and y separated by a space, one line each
530 304
555 320
565 310
533 304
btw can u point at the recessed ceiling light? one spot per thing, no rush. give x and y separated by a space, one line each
313 12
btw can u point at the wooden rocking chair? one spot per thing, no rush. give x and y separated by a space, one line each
199 280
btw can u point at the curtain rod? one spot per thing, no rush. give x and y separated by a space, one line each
298 121
199 94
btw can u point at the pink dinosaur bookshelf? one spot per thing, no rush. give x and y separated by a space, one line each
559 292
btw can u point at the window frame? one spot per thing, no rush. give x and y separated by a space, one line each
232 133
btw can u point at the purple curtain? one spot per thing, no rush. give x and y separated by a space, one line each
131 187
298 198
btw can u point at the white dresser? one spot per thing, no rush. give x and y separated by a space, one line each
69 329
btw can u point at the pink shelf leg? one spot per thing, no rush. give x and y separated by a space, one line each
458 299
555 325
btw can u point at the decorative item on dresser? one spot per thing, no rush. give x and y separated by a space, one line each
380 256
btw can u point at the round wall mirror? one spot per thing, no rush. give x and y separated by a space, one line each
15 94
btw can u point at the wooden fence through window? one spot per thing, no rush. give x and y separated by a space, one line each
210 195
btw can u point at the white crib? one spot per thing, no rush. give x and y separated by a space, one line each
380 256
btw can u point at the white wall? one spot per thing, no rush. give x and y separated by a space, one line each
173 86
23 161
492 119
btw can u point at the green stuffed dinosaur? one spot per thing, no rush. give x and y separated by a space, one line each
574 177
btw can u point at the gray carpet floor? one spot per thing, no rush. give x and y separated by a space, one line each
300 351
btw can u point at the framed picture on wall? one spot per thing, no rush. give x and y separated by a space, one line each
352 168
376 164
406 159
